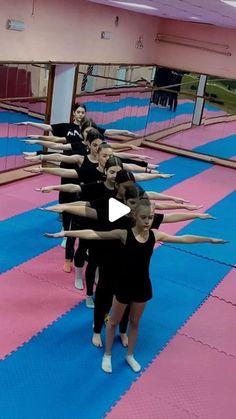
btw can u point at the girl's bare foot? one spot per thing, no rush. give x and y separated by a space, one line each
124 339
96 340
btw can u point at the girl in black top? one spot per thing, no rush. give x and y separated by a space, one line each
98 210
73 129
132 284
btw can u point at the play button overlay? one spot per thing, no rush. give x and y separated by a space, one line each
116 210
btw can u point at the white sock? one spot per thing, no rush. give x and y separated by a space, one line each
63 243
106 363
78 279
134 365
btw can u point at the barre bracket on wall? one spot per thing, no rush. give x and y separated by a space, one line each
222 49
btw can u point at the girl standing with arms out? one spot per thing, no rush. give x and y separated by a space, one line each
132 283
68 129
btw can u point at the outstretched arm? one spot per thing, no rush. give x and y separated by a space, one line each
188 239
173 218
89 234
58 157
56 171
81 210
69 187
51 138
49 144
164 197
124 146
149 176
45 127
114 132
177 206
132 156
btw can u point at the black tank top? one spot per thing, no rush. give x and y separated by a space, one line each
136 256
89 173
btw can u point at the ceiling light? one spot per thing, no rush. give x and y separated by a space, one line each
194 17
229 2
136 5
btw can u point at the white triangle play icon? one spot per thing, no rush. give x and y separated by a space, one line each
117 209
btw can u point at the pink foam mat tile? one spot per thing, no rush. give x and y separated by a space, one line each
213 324
202 189
157 155
27 306
187 375
157 409
200 135
20 196
226 290
49 267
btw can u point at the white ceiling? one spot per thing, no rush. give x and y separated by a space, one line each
213 12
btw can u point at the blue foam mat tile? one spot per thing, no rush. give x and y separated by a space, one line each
13 117
63 359
182 168
19 243
59 372
223 227
14 147
186 269
222 147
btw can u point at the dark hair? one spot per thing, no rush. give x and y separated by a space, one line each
94 135
87 123
79 105
135 191
124 176
113 161
103 145
144 202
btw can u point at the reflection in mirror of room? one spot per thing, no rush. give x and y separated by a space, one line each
23 93
159 104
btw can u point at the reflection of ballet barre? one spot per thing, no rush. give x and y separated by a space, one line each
194 43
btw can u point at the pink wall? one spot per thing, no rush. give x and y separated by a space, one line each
69 31
193 59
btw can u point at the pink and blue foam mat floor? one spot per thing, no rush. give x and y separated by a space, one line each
187 342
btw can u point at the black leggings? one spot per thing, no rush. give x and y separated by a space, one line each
103 300
64 198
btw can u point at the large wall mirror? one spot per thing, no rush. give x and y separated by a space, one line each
23 96
159 104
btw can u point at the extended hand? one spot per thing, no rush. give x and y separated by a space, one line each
30 141
180 201
129 133
54 235
45 189
193 207
207 217
34 170
219 241
167 175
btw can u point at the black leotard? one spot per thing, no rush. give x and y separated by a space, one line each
132 282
